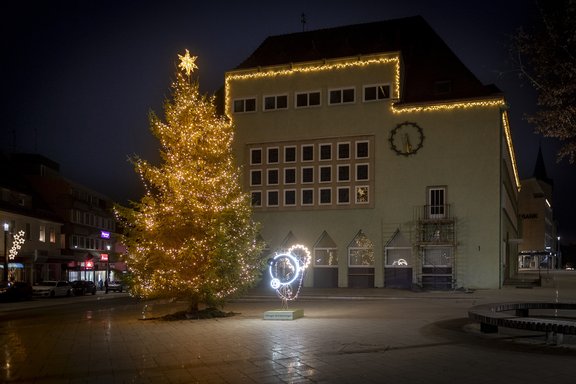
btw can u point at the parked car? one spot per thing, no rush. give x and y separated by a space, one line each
115 286
52 288
83 287
15 291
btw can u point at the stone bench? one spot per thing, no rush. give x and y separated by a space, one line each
492 316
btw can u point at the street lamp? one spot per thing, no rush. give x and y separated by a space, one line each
108 265
6 228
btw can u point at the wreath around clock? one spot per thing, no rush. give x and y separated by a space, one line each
408 148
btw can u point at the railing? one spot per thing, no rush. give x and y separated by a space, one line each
434 212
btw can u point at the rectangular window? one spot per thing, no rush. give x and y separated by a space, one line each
342 96
361 257
307 99
362 149
42 235
376 92
52 235
307 174
325 195
307 196
343 151
272 198
307 153
289 175
272 177
255 177
362 194
289 197
256 198
325 257
255 156
325 173
343 195
436 202
361 172
325 151
275 102
344 172
273 155
244 105
289 154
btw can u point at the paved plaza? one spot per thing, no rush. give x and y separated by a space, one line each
345 336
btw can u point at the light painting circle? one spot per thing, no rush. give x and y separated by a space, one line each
284 269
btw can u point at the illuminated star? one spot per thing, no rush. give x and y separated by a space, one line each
187 63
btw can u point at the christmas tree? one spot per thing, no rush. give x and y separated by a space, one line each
191 235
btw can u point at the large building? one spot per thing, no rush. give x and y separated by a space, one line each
375 147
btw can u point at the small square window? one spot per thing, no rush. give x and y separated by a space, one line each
272 155
289 176
362 195
361 149
255 156
307 153
255 177
307 174
325 151
343 151
272 177
325 196
325 174
362 172
289 154
344 172
256 198
307 196
290 197
272 198
343 195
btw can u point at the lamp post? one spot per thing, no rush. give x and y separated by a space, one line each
6 228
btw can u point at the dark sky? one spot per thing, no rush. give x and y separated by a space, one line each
80 77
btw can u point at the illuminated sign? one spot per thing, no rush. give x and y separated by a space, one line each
103 257
104 234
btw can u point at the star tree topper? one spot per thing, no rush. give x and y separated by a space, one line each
187 63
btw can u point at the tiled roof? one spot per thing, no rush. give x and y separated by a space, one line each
426 59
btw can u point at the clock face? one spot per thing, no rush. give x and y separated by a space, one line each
406 139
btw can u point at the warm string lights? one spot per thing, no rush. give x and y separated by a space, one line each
17 243
510 146
191 236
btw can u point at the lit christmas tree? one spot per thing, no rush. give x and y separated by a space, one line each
191 236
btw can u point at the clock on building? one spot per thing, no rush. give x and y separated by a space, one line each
406 138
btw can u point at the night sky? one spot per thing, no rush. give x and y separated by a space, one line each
80 77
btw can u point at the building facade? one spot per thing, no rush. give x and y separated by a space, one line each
377 149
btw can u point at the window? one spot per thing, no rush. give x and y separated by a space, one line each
255 156
398 256
361 172
361 251
272 155
289 154
42 236
362 194
307 174
344 172
325 195
256 198
343 195
275 102
325 151
307 196
436 202
307 153
272 198
255 177
362 149
325 257
376 92
289 197
289 175
343 151
307 99
326 174
244 105
272 177
342 96
52 235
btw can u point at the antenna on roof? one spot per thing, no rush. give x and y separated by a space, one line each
303 21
